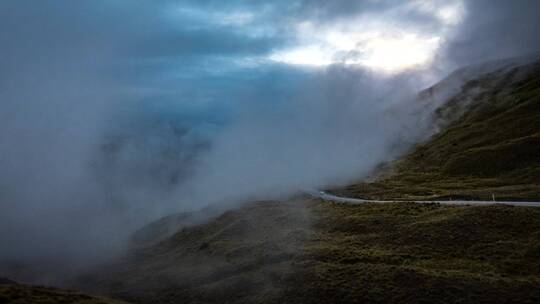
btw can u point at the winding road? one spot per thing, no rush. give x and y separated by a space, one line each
348 200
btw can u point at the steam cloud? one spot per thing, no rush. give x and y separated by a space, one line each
114 113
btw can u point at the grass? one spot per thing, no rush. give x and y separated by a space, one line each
313 251
14 293
241 256
411 253
491 149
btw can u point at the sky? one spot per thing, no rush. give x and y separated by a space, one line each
115 112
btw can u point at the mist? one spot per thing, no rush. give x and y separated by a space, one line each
334 128
116 113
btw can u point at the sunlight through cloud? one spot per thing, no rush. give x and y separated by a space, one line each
379 42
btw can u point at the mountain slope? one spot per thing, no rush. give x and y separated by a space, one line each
15 293
488 146
420 253
242 256
313 251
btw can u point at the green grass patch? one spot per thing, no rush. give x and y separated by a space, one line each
411 253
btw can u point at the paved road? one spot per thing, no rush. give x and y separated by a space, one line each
348 200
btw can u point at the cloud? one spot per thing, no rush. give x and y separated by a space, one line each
494 30
58 93
385 35
331 129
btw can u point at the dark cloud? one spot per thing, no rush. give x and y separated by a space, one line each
205 42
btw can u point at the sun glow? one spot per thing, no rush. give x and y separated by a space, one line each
310 55
389 53
377 41
399 53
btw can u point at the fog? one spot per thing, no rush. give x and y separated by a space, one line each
494 30
332 129
116 113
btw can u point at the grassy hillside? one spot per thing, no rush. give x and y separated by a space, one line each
311 251
410 253
242 256
14 293
489 145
